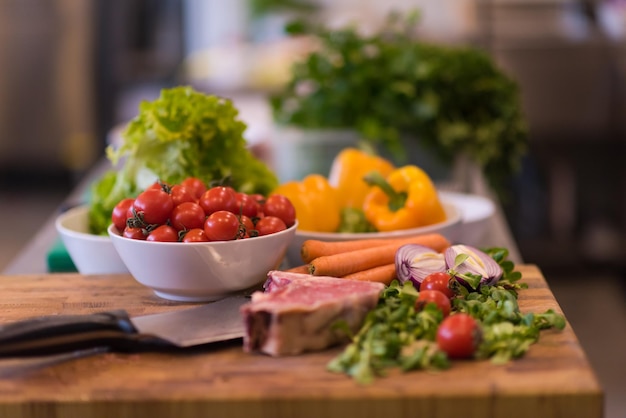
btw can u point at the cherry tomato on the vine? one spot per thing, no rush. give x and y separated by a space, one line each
131 211
459 335
187 215
192 212
248 226
180 194
156 206
440 281
133 233
195 186
221 226
260 199
270 225
433 296
120 213
158 185
281 207
247 205
163 233
195 235
219 198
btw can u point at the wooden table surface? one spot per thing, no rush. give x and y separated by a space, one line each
554 379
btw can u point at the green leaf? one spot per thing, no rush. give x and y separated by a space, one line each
182 133
391 84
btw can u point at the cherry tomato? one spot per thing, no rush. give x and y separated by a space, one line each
181 194
247 205
159 185
130 212
440 281
248 226
156 206
195 235
270 225
281 207
195 186
133 233
221 226
459 335
120 213
260 199
187 215
219 198
163 233
433 296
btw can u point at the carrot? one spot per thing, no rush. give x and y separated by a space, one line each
299 269
312 249
382 274
342 264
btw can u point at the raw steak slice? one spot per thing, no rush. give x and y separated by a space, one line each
296 312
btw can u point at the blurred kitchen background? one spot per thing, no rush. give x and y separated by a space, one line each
72 72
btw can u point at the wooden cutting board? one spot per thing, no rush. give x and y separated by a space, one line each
554 379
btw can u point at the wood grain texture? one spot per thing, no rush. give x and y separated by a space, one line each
553 380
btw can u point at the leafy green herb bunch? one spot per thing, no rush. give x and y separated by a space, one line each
390 85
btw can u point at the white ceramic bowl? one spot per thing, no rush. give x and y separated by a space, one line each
91 254
449 228
202 271
476 214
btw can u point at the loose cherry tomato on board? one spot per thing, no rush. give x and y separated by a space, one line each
195 235
181 194
221 226
195 186
440 281
219 198
187 215
133 233
270 225
163 233
459 335
120 213
156 206
433 296
281 207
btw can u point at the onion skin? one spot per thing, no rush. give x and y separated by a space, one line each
414 262
477 263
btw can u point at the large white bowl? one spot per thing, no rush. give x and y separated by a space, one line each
202 271
476 214
91 254
450 228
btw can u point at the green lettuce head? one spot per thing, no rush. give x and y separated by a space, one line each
183 133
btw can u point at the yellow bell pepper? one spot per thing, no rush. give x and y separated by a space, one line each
407 198
347 172
315 201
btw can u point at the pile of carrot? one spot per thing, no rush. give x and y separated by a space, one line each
365 259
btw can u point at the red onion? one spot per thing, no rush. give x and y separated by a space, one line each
468 263
414 262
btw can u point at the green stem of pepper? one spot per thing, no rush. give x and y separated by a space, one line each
397 200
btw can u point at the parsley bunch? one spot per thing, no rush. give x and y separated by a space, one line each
388 330
390 85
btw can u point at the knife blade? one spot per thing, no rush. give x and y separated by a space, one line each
210 323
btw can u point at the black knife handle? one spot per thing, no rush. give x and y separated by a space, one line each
62 333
